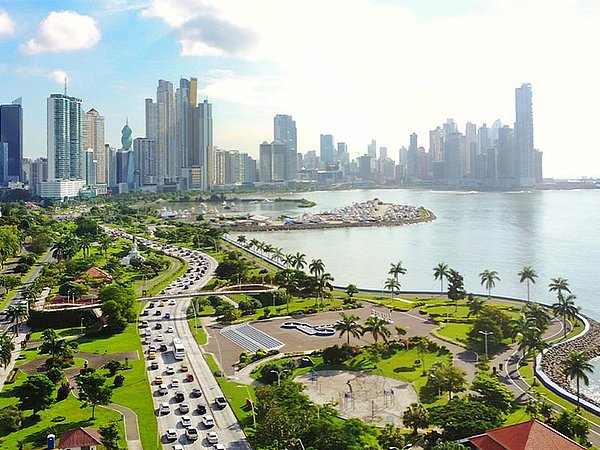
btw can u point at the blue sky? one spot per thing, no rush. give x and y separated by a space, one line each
357 69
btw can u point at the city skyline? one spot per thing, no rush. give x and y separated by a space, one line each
384 89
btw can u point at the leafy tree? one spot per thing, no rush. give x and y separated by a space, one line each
456 287
349 326
391 436
494 320
40 243
87 227
449 445
489 278
529 275
336 355
449 378
55 374
10 242
440 272
17 313
11 418
93 389
63 391
377 327
462 417
415 417
36 393
565 307
74 289
113 366
110 436
577 366
111 311
351 290
573 426
493 392
6 348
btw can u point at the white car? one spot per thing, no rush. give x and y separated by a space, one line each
170 370
170 330
164 408
177 447
174 383
171 302
186 421
160 338
171 434
208 421
218 447
212 437
163 389
184 407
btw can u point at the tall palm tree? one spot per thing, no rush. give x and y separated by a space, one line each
440 272
85 243
576 366
475 304
349 326
6 348
16 313
316 267
278 254
377 327
532 341
538 315
268 249
392 285
288 261
323 282
520 325
104 241
299 261
565 307
529 275
253 244
241 239
396 270
489 278
559 284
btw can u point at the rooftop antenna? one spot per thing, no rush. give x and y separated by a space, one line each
127 120
65 85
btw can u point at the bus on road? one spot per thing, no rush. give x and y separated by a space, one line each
178 349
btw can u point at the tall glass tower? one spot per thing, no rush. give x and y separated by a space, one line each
11 139
65 158
284 131
524 135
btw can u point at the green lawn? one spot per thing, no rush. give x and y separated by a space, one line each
454 332
197 331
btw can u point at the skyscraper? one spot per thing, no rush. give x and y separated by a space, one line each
327 149
524 135
64 138
372 149
284 130
203 147
11 135
92 136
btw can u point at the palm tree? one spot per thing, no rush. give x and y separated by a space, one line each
520 325
415 417
299 261
559 285
323 282
489 278
377 327
392 285
6 348
241 239
104 241
475 304
441 271
85 244
253 243
566 308
278 254
529 275
396 270
288 261
267 249
349 326
576 366
538 315
533 341
15 314
316 267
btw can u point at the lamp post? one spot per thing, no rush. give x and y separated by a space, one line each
251 404
278 373
486 334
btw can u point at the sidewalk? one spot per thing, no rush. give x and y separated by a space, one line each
132 432
15 354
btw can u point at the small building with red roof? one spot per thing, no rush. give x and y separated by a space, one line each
80 439
532 435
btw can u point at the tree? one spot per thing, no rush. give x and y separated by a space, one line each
462 417
391 436
456 289
241 239
278 255
440 272
415 417
559 285
489 278
93 389
577 366
6 348
105 241
529 275
565 307
537 314
449 378
36 393
299 261
323 281
532 341
11 418
449 445
392 285
110 436
573 426
316 267
396 270
475 304
377 327
492 392
351 290
349 326
17 313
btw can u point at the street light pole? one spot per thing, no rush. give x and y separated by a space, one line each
278 373
251 404
486 334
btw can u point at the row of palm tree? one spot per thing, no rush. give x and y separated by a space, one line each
69 245
375 326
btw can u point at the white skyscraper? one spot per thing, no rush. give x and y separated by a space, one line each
64 138
524 135
92 136
284 128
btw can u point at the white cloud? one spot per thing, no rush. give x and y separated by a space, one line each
7 26
64 31
58 76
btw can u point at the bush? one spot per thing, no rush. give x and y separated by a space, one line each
119 380
63 391
113 366
55 374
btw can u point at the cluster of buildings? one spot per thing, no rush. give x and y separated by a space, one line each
177 152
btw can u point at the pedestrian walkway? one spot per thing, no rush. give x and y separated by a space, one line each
15 354
132 431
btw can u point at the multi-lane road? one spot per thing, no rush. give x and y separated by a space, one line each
173 314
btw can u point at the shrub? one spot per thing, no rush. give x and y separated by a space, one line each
63 391
112 366
119 380
55 374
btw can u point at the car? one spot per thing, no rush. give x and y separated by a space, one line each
147 332
201 408
157 312
218 447
179 396
186 421
167 316
145 312
170 370
158 379
189 377
221 402
191 433
184 408
163 389
177 447
154 365
160 338
212 437
208 421
151 305
172 302
152 348
170 329
174 383
164 408
144 324
171 434
196 392
158 326
163 347
151 355
184 368
145 341
161 304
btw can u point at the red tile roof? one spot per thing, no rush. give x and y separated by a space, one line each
98 274
532 435
79 437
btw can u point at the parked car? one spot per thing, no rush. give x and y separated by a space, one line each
184 408
196 392
163 389
184 368
158 379
179 396
167 316
174 383
158 326
154 365
218 447
151 355
170 370
189 377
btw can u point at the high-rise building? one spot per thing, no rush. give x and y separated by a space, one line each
266 162
90 167
436 144
64 138
11 138
327 149
525 151
203 147
92 136
453 152
469 147
144 151
284 130
372 149
411 163
38 173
